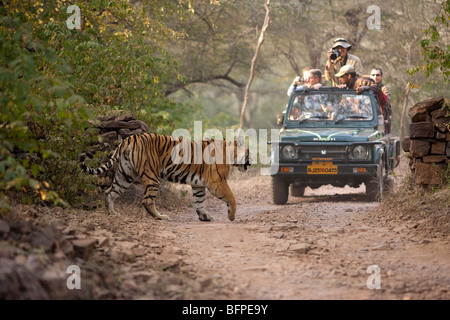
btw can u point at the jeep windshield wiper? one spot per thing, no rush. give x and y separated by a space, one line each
350 117
312 117
320 117
302 120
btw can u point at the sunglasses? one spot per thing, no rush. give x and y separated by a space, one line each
376 75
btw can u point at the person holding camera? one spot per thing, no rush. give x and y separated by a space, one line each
297 82
338 57
311 79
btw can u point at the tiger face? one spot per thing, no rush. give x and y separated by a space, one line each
242 159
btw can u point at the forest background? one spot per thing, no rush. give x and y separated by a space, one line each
174 62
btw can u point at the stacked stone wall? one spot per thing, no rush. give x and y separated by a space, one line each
114 128
428 144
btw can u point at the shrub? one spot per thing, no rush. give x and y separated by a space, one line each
54 82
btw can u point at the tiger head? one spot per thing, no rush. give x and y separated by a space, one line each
242 158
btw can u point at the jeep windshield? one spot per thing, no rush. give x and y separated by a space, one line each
333 107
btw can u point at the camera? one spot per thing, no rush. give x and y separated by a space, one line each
334 54
299 79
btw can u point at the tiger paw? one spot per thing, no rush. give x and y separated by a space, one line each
203 216
164 217
113 213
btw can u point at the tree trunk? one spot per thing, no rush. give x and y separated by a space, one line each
255 57
405 103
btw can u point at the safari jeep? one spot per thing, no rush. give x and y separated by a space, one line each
332 136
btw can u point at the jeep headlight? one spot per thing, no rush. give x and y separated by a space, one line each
288 152
360 152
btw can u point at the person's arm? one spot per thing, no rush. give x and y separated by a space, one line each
329 69
293 86
387 92
362 84
291 89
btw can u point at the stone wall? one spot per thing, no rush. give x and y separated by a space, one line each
428 144
114 128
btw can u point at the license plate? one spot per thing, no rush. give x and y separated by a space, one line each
322 167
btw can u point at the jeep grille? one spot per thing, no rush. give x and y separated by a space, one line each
335 152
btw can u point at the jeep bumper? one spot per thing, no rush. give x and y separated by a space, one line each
320 173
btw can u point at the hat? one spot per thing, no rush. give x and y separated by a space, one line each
342 42
344 70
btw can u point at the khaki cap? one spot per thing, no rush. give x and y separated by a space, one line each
344 70
342 42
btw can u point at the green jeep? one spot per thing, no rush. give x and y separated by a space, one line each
332 136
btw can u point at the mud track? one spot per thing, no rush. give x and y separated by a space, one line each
319 246
315 247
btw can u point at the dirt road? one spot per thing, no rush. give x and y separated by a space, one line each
315 247
325 245
319 246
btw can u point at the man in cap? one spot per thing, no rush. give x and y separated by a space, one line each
333 66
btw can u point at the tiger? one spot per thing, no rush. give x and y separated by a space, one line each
151 156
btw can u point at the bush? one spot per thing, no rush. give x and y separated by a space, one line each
54 82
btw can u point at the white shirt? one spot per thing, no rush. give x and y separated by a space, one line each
300 88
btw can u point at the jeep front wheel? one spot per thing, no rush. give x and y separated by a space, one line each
280 190
375 187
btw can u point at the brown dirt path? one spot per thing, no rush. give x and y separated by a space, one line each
315 247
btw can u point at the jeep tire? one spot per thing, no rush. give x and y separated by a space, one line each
280 190
375 187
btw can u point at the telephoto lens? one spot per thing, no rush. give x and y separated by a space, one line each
334 54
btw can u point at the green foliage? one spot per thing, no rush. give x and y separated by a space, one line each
435 54
55 81
116 63
39 114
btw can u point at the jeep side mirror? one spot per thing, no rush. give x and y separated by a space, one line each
280 119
